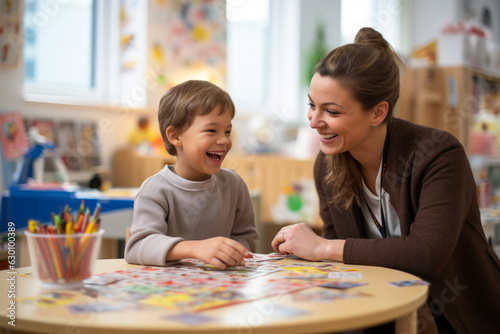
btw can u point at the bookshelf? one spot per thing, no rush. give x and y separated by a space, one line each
448 98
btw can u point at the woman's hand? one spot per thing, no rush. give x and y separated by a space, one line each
301 240
220 252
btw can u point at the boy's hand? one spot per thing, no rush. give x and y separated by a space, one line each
220 252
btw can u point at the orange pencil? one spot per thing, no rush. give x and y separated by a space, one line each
43 260
84 242
68 268
85 266
82 246
42 269
43 246
79 224
82 249
68 218
56 256
46 255
69 247
81 210
63 251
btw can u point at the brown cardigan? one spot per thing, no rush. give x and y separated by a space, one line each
433 191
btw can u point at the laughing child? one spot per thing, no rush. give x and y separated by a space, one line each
195 208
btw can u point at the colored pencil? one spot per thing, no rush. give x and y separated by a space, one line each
66 251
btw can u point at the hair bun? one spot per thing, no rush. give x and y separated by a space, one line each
369 36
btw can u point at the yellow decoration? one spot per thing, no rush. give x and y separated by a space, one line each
426 52
158 54
200 33
288 190
123 15
126 39
129 65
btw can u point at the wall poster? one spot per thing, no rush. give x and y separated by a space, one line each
11 40
187 40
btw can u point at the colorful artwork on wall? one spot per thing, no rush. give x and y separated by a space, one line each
13 135
10 37
189 41
78 143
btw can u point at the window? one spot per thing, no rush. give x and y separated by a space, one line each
263 59
55 55
247 51
66 50
386 16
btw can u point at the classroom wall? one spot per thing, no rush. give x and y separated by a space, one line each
429 16
113 125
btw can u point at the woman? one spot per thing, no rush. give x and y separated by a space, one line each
392 193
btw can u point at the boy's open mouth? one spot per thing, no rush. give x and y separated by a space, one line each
215 156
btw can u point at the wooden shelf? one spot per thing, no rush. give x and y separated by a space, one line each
130 169
442 97
267 174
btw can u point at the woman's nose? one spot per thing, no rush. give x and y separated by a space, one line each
314 119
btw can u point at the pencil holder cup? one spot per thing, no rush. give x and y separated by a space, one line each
63 261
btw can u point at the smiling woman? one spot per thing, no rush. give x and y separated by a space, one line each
393 193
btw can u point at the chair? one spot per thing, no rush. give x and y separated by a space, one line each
127 235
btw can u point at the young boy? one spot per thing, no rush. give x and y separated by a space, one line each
194 209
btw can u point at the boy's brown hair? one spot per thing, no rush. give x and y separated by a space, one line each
182 103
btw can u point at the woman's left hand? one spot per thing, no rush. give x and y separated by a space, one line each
301 240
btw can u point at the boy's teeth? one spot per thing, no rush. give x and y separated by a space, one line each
216 156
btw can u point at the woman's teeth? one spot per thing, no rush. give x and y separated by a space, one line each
328 136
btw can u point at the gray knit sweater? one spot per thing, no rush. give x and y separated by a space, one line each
169 209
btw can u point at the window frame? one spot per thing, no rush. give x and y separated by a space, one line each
105 30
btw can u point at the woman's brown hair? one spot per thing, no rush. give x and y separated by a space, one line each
370 69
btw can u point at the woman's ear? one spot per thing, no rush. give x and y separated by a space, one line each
173 136
380 112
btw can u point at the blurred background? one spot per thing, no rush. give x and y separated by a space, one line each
88 75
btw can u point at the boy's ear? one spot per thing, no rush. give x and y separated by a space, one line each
173 136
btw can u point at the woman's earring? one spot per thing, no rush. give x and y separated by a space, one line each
374 124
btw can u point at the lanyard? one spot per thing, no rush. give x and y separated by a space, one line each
381 225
